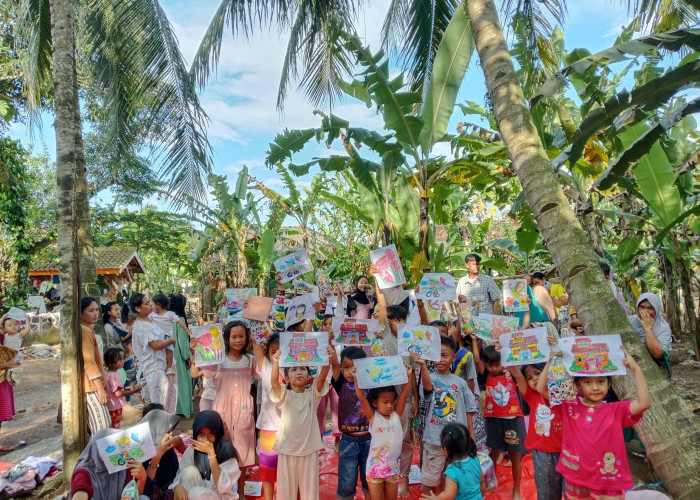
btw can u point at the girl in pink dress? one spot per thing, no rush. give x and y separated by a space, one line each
233 401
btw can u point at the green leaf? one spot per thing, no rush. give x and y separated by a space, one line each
357 90
662 234
287 143
654 175
449 66
527 240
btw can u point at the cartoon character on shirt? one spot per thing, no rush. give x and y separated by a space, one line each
609 461
543 420
444 406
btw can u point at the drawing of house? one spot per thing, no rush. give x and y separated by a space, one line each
524 348
590 357
303 350
352 331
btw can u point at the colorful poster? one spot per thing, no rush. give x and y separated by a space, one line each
433 309
524 347
303 349
389 270
252 488
466 318
134 443
236 297
259 330
515 295
300 308
258 308
293 265
593 355
436 286
324 284
352 331
210 345
425 340
490 326
380 372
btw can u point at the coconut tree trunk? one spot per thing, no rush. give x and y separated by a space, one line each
673 447
65 104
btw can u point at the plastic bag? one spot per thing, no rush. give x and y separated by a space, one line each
488 469
130 491
559 383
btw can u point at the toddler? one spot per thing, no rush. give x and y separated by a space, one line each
116 394
165 320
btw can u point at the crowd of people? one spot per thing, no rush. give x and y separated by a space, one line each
460 411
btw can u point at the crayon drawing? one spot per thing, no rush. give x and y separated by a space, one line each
134 443
524 347
210 345
597 355
324 284
491 326
425 340
352 331
300 308
303 349
433 309
515 295
437 286
293 265
389 270
380 372
466 318
236 297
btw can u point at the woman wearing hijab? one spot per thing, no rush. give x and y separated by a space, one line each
653 330
359 303
164 466
209 468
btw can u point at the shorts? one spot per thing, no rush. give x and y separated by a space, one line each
116 416
433 465
352 460
504 434
377 480
575 492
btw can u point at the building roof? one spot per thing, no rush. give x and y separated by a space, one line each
109 260
585 344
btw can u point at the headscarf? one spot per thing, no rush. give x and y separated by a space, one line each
161 422
661 328
223 448
358 296
106 486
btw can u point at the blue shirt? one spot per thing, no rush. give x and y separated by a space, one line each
467 474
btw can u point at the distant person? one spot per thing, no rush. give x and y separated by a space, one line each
607 272
479 290
543 298
653 329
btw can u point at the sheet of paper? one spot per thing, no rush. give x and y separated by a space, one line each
293 265
515 295
433 309
414 474
303 349
351 331
258 308
332 305
210 345
236 297
380 372
425 340
524 347
17 313
389 270
490 326
436 286
324 284
300 308
593 355
253 488
133 443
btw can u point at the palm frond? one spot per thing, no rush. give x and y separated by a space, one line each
664 15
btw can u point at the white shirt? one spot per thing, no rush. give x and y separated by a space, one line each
164 322
142 333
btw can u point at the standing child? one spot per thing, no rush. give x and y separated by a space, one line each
13 337
463 477
593 457
450 401
116 394
326 325
298 441
165 320
7 397
384 416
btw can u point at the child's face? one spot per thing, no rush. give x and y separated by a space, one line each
444 331
327 325
532 375
272 349
298 377
11 326
447 356
345 366
237 338
385 403
119 363
394 325
453 331
594 389
363 284
494 367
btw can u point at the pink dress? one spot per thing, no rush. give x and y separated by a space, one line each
7 398
235 404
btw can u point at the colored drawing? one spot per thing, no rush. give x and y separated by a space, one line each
491 326
559 383
236 297
303 348
259 330
380 372
293 265
389 270
466 318
134 443
524 347
597 355
515 295
252 488
425 340
352 331
210 345
303 286
435 286
433 309
300 308
324 284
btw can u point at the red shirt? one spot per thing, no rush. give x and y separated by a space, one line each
501 397
545 428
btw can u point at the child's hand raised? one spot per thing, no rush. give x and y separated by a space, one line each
331 351
193 345
278 279
629 361
320 307
373 269
352 371
276 358
551 340
497 346
409 369
415 357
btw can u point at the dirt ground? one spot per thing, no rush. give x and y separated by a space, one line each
38 396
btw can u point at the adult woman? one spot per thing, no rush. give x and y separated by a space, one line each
149 347
543 299
182 357
653 329
359 303
94 378
210 464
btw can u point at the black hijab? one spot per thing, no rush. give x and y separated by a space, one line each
358 296
223 448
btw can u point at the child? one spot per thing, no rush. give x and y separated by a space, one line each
449 400
463 477
384 415
298 441
165 320
326 325
353 449
593 458
7 395
543 432
504 417
13 337
116 394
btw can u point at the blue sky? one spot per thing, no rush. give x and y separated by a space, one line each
241 100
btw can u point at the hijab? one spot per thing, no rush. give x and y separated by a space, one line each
358 296
223 448
106 486
661 328
161 422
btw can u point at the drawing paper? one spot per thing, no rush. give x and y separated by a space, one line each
389 270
